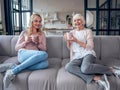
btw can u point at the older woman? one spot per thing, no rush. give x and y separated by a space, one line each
83 57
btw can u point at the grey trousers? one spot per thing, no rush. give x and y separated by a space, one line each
86 68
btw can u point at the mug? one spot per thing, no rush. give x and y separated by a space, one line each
69 36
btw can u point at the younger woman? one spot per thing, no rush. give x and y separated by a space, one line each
31 47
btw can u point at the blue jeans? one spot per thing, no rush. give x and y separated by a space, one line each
85 68
31 60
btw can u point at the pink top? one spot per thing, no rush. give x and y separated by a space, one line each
21 44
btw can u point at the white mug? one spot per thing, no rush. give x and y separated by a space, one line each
69 36
34 37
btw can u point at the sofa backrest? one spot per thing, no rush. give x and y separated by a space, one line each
96 48
105 46
54 46
7 45
110 47
8 42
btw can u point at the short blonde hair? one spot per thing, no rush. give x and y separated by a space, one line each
78 16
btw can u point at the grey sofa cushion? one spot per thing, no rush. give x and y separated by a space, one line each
43 79
66 51
119 48
3 58
54 62
67 81
54 47
20 82
12 60
65 61
97 46
55 77
5 45
110 47
1 81
13 43
111 62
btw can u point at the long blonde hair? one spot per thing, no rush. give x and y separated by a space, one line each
32 18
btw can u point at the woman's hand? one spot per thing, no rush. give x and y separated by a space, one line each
74 39
65 36
68 36
67 40
27 39
35 39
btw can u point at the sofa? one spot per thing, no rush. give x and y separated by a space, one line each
55 77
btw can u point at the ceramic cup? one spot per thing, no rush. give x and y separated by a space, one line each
69 36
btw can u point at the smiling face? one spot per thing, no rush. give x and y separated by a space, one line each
36 23
78 21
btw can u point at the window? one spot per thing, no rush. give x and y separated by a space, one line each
107 16
17 12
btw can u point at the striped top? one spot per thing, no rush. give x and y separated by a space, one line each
85 36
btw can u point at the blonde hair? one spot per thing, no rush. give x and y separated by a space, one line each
78 16
32 18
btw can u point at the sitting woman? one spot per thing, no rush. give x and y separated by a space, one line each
83 57
31 47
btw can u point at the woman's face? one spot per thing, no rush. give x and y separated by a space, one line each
36 23
78 23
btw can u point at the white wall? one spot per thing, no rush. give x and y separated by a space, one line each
58 5
61 22
61 7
